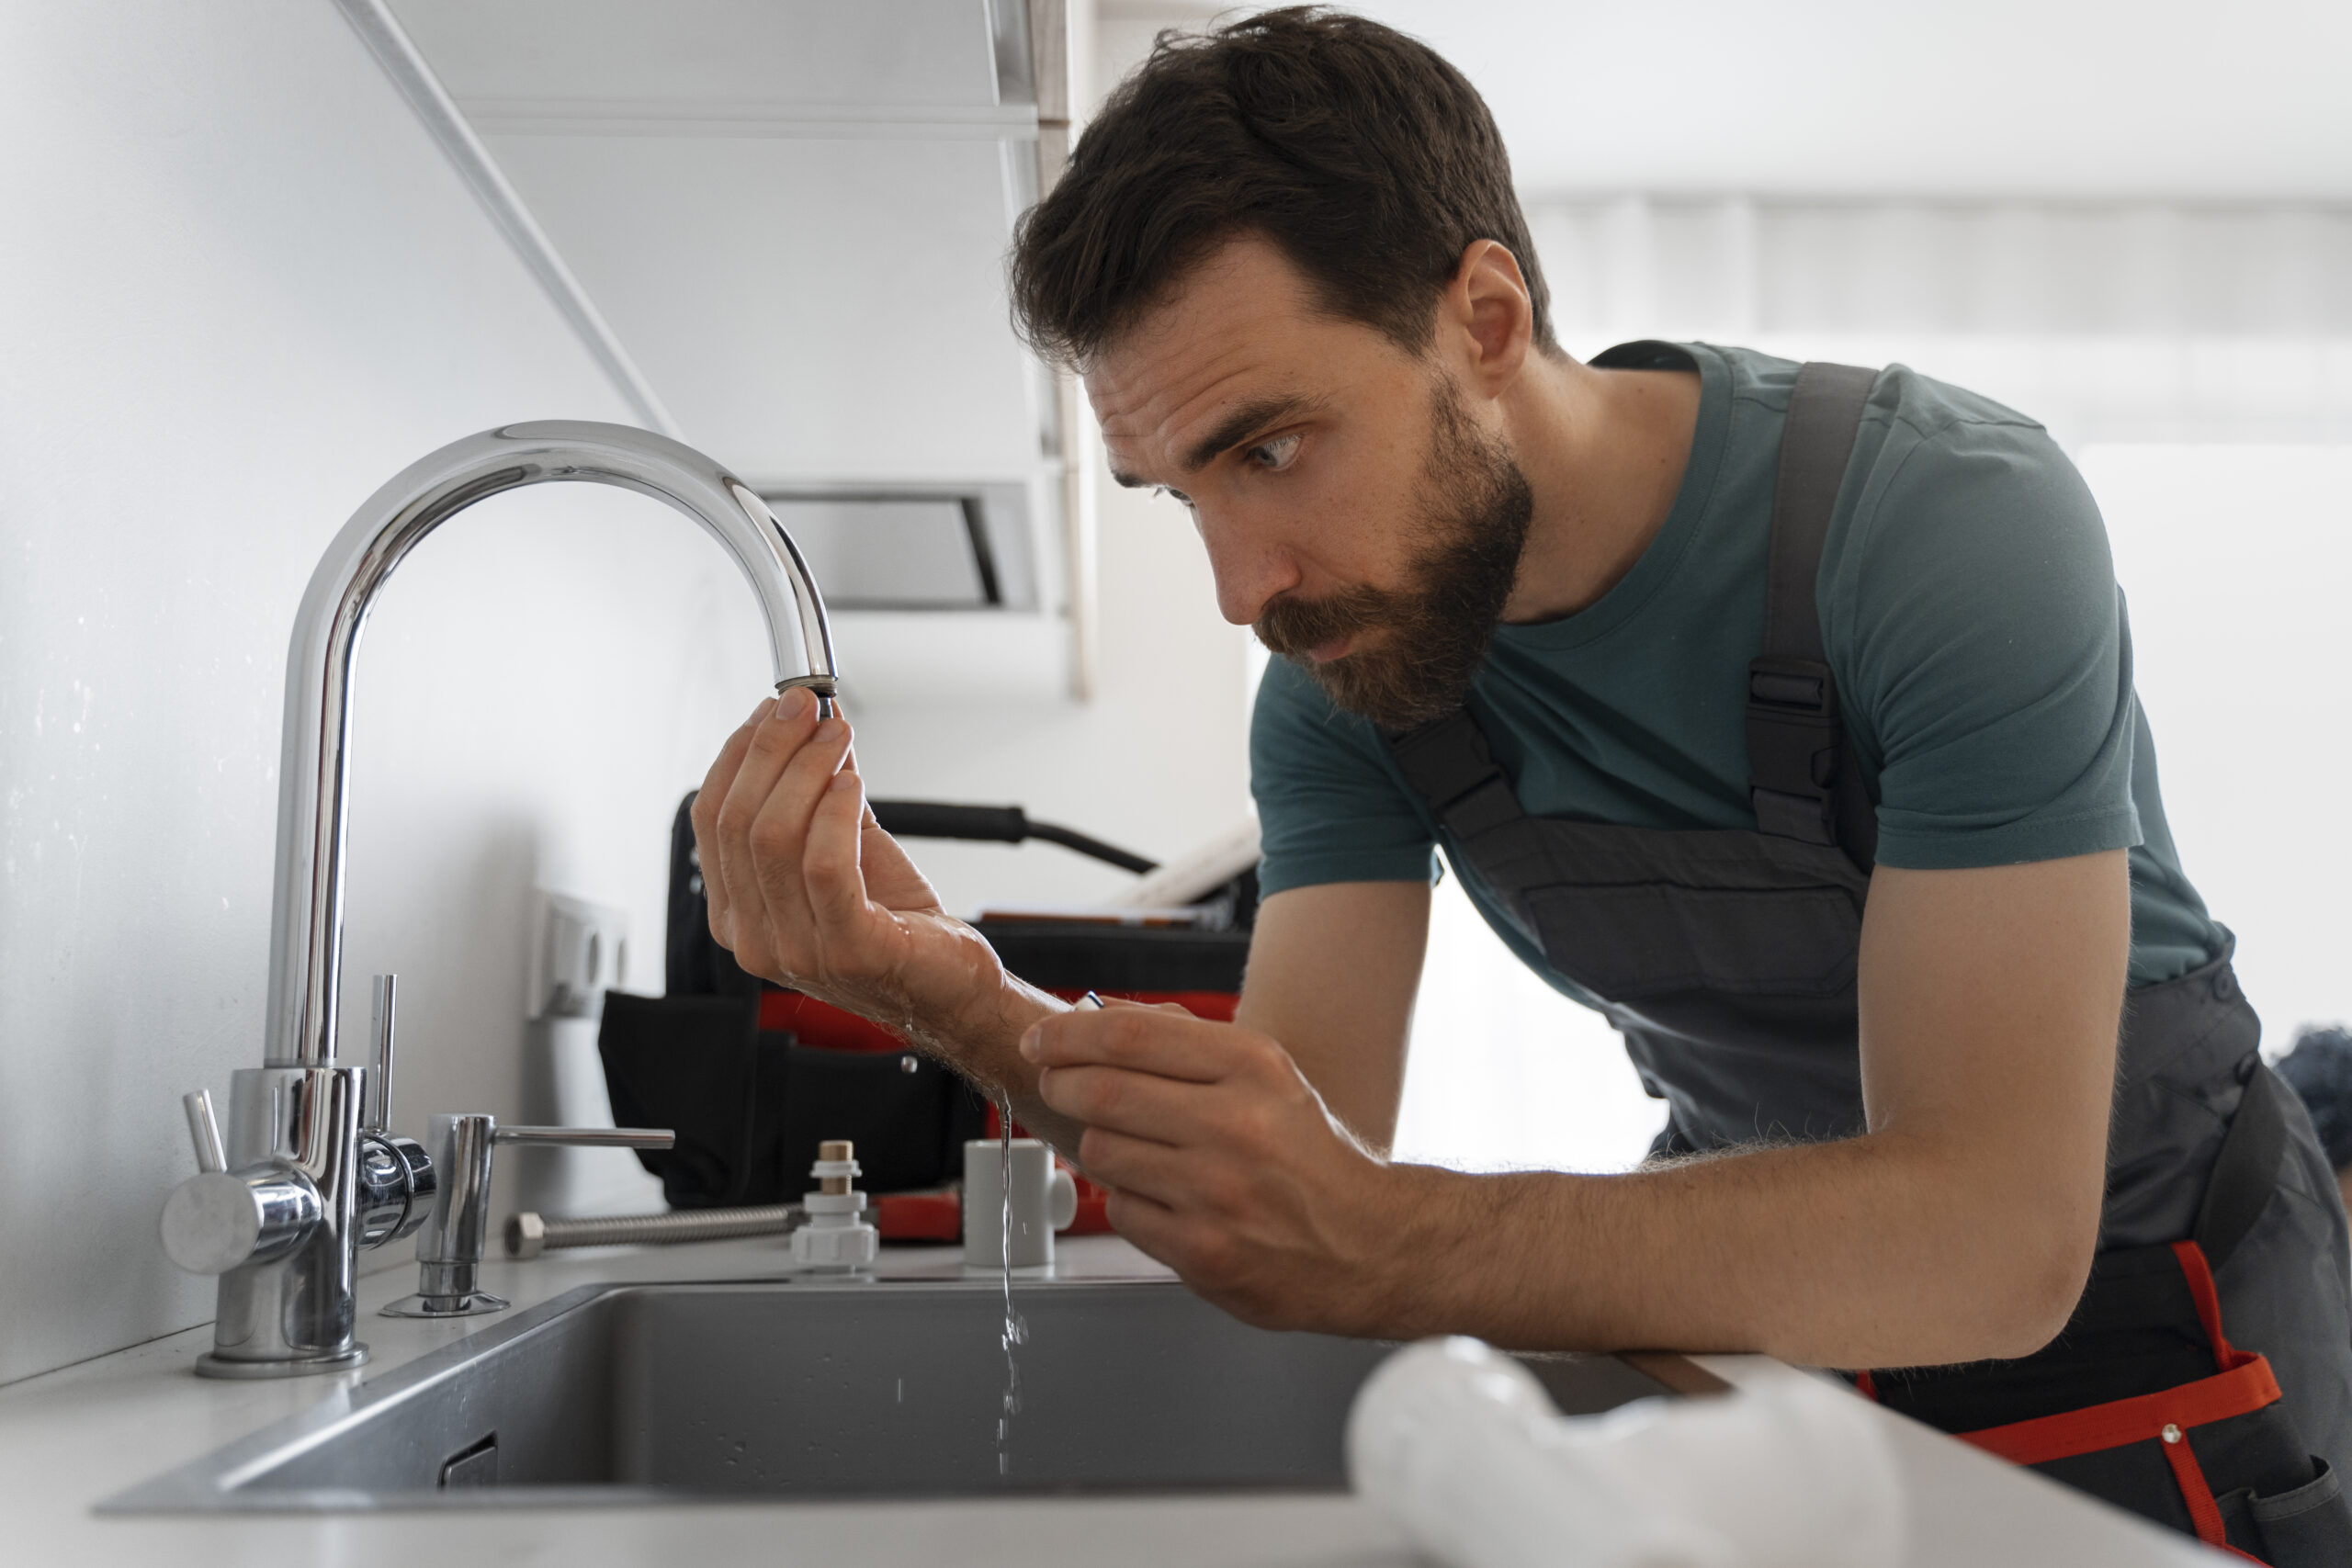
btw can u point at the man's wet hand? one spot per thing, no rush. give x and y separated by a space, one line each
807 890
1223 1164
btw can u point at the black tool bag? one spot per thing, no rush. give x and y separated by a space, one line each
749 1105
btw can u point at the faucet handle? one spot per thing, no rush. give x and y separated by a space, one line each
204 1132
218 1219
382 991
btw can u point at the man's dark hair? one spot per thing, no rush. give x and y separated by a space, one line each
1371 162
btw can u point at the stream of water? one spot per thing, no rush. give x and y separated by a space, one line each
1016 1330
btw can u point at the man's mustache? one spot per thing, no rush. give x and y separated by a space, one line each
1298 625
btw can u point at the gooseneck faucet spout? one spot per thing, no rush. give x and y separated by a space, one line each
309 1175
306 923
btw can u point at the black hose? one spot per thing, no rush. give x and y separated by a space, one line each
935 820
1068 838
995 824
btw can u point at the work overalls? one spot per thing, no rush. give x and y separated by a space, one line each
1726 959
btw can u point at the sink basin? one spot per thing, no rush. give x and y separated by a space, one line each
796 1389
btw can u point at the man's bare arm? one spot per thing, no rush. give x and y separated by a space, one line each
1960 1225
1332 973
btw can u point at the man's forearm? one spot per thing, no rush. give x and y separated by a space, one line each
984 1046
1877 1251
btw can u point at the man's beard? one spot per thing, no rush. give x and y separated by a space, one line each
1423 642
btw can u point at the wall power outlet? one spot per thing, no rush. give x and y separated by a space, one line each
579 951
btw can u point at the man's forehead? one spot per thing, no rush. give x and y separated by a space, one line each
1154 417
1240 331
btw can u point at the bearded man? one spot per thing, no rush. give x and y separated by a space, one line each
1783 715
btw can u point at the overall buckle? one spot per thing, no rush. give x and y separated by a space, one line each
1792 747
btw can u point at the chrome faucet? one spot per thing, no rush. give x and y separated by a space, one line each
308 1175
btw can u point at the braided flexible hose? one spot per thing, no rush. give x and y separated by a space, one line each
528 1235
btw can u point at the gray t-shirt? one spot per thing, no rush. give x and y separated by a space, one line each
1968 608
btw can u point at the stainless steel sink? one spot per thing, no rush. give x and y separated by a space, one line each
801 1390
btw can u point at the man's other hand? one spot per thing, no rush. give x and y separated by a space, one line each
807 890
1223 1164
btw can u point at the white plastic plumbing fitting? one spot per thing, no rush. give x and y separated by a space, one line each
1461 1446
836 1234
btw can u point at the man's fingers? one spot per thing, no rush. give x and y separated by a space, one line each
730 758
1132 1164
1144 1038
779 831
768 749
1175 1009
703 816
1119 1100
773 743
1152 1225
716 782
779 838
836 883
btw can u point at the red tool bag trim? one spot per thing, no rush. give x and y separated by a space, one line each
821 1024
919 1216
828 1028
2243 1384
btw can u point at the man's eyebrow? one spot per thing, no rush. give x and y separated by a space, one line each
1240 425
1237 427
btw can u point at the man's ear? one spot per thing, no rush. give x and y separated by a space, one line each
1486 321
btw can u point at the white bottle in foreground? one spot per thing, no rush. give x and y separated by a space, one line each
1460 1445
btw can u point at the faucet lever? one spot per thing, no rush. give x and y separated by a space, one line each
216 1220
382 991
204 1132
589 1137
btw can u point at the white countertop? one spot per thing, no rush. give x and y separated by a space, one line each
71 1438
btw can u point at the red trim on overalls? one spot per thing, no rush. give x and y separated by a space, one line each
2242 1385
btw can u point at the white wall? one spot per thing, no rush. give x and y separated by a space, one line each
1950 98
2234 559
239 288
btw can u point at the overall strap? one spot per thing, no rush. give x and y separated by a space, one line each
1447 763
1802 782
1450 765
2246 1172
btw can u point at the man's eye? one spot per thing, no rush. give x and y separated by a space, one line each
1275 455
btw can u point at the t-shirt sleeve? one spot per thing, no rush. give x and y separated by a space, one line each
1975 622
1329 808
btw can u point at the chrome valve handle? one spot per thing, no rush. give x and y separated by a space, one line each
310 1187
218 1218
395 1177
382 991
204 1131
450 1247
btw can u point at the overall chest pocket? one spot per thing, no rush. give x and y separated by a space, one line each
1627 942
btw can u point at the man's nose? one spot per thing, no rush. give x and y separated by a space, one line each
1250 570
